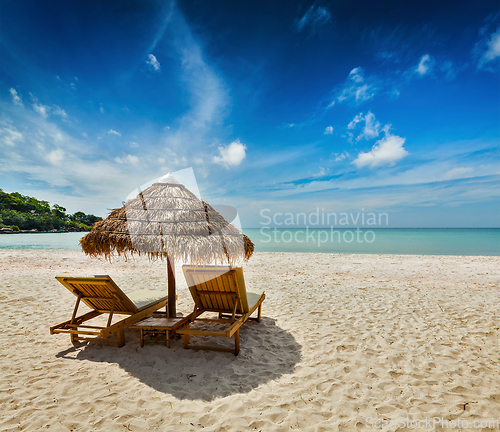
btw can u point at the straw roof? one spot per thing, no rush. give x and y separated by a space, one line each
167 220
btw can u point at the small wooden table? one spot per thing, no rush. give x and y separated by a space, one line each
158 326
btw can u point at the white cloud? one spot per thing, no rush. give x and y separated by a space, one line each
113 132
41 109
130 159
60 112
424 65
386 151
231 155
355 121
493 49
9 134
34 150
356 88
370 130
16 99
328 130
314 17
206 95
44 110
322 172
207 98
55 157
457 173
153 62
341 157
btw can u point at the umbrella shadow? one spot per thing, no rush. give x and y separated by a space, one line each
267 353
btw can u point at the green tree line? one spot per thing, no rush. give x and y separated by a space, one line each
21 212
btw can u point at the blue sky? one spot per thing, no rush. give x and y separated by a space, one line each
345 106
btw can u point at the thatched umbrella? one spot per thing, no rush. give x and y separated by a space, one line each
168 221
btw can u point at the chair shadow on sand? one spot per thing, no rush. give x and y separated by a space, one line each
267 353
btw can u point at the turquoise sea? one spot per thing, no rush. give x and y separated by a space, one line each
408 241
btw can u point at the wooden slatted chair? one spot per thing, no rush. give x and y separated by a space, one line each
222 290
103 296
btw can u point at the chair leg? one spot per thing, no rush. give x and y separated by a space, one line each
237 342
186 337
121 337
258 313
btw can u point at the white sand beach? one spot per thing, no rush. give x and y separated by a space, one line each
343 339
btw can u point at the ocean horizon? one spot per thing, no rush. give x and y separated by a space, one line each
399 241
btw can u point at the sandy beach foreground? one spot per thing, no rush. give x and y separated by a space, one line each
346 341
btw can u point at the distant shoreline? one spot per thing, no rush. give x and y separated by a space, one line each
4 231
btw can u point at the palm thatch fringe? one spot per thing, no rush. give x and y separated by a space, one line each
167 220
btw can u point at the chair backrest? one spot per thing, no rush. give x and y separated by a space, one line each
217 288
99 292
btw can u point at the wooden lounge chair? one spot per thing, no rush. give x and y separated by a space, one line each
222 290
102 295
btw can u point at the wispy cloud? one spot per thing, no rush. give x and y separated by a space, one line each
458 173
231 155
432 172
60 112
206 96
424 65
322 172
33 145
355 89
153 63
492 50
340 157
41 145
315 17
328 130
9 135
41 110
371 128
16 99
55 157
130 159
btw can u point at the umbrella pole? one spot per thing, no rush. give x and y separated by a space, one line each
171 311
